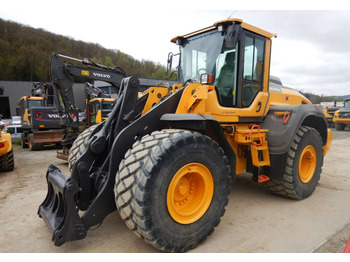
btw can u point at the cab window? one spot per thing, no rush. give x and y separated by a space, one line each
254 49
94 107
35 103
225 79
11 130
23 107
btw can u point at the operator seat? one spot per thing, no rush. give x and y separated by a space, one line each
225 82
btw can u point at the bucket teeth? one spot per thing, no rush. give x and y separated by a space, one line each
59 210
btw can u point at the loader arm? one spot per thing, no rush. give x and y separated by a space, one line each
90 186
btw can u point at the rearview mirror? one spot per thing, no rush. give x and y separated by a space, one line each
233 34
169 68
169 63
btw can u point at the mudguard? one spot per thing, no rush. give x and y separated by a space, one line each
204 124
284 121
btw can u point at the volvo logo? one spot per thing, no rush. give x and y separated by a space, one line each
102 75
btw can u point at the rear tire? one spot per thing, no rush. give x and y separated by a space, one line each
34 146
23 143
79 146
303 166
31 145
339 126
7 162
172 188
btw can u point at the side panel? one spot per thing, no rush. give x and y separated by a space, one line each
46 118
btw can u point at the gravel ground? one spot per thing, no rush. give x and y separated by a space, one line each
255 220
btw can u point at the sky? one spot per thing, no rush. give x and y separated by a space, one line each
311 52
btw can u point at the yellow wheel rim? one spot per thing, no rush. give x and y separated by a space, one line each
307 164
190 193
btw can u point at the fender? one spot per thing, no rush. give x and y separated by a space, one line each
203 124
282 128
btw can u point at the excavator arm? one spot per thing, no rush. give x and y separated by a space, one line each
91 92
61 77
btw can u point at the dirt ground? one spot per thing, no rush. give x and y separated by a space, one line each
255 220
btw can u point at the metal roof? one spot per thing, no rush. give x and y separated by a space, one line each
230 20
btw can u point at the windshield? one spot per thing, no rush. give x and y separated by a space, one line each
199 54
107 105
208 53
34 103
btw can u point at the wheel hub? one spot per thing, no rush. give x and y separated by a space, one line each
307 164
190 193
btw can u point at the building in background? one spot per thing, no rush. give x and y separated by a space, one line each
12 91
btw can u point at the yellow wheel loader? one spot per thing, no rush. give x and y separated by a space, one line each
342 116
7 162
166 160
98 104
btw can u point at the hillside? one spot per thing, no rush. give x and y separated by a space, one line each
316 99
25 54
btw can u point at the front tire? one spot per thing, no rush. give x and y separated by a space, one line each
303 166
172 188
24 142
79 146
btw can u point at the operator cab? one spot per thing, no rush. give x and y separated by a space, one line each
99 109
231 56
27 102
347 103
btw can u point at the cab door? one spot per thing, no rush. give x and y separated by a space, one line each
241 81
94 107
252 81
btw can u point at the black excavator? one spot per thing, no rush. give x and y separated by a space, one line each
62 79
98 104
62 74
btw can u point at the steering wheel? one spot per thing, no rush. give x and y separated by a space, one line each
188 81
201 69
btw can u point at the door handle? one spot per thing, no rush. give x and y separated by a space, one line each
259 107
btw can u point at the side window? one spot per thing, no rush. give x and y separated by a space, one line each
92 113
254 48
10 130
198 63
23 107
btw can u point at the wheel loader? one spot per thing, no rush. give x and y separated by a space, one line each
342 116
98 104
166 160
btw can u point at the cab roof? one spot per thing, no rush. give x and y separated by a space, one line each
103 99
31 98
230 20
